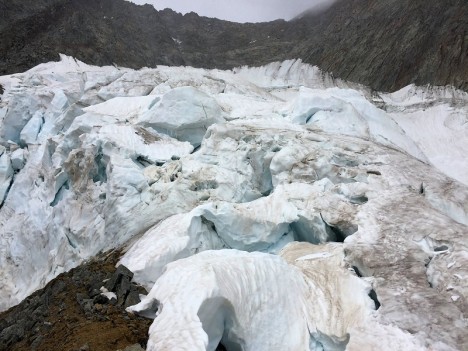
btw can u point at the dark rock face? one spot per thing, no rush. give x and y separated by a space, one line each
212 43
100 32
388 44
385 44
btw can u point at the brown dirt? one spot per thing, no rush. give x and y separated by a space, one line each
53 320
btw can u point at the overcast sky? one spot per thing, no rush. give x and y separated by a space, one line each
238 10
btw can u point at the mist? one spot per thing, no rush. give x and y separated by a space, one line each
241 10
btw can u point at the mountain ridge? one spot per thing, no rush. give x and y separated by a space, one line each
385 45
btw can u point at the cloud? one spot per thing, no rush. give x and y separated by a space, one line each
239 10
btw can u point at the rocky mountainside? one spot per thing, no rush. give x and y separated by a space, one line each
102 32
388 44
383 44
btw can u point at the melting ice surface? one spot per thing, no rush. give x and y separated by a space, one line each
268 208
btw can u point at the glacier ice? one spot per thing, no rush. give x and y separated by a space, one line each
439 128
266 224
6 175
177 237
220 295
184 113
355 200
347 112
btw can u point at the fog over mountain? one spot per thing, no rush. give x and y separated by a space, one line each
239 11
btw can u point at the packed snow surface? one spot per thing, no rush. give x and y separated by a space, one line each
269 208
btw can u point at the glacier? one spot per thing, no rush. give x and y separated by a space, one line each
266 208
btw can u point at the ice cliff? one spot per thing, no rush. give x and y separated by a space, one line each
269 208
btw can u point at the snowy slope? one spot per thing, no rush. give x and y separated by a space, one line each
316 197
437 120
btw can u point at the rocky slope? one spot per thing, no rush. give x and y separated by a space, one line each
71 314
383 44
73 310
102 32
389 44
